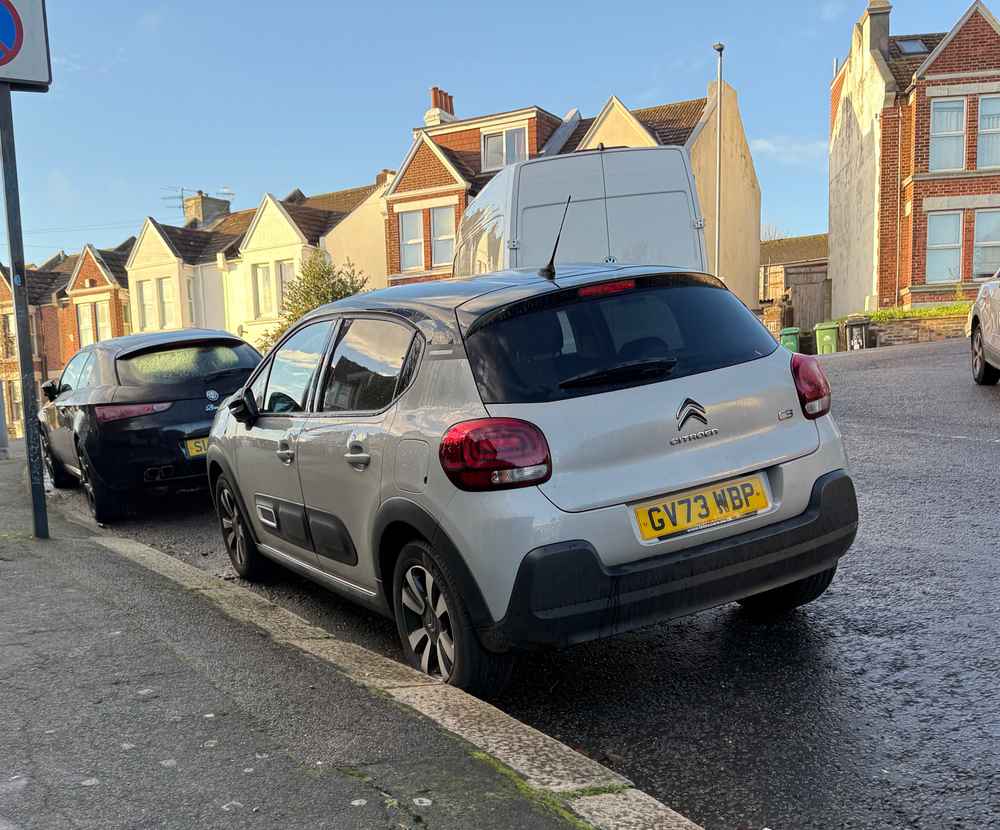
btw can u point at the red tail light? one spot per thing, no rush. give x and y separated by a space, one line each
495 454
119 412
812 386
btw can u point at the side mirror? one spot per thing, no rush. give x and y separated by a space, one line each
244 408
50 390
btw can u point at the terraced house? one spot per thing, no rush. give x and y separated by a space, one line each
451 159
228 270
915 163
73 300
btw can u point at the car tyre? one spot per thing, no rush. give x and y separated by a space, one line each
780 601
105 506
247 560
61 478
982 372
435 631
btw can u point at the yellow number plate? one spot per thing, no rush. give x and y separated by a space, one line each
196 447
693 509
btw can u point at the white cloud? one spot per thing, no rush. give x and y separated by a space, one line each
830 10
796 151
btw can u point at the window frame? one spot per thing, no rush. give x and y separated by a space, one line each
435 237
980 132
86 309
255 271
932 135
164 310
265 366
960 246
145 293
98 305
320 387
83 356
403 242
502 132
189 289
977 244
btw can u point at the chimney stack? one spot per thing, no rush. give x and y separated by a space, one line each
442 108
878 26
201 210
384 175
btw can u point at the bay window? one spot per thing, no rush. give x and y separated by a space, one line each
146 306
947 134
411 240
986 256
944 247
264 301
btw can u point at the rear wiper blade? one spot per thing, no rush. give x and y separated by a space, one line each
635 369
222 373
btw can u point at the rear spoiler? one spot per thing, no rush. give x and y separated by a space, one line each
181 343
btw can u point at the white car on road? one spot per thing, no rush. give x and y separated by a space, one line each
983 329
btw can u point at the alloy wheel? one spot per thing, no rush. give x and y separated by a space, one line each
427 622
977 353
233 531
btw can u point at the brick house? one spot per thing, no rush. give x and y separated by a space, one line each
451 159
97 298
44 312
915 163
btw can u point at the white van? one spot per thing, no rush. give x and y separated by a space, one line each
629 205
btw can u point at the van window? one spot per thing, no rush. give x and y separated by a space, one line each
651 329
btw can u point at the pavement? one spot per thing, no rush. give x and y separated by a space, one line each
132 701
876 706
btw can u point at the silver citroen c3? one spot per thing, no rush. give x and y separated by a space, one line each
514 462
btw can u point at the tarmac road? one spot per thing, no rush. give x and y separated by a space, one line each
877 706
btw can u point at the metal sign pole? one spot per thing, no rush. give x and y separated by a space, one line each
19 288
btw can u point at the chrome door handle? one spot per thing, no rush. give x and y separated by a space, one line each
358 460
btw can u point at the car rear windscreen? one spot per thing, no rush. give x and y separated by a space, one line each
186 363
612 335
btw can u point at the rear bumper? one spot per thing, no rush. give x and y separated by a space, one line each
133 460
563 594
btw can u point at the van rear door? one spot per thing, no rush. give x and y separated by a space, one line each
652 214
540 197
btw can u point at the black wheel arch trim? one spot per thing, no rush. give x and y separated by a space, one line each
216 457
402 510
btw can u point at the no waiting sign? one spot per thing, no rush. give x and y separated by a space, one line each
24 45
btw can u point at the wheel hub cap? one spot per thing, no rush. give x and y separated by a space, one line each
427 622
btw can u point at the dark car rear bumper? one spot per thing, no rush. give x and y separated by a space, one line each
563 594
130 459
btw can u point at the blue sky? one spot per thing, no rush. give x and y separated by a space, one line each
258 96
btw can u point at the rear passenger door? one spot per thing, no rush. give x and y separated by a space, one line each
345 445
267 458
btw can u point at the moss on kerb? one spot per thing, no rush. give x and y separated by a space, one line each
557 804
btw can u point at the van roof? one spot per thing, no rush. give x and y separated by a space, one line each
431 306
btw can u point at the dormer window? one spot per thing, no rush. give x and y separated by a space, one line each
504 147
912 46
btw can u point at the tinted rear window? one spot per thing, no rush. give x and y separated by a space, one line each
183 364
564 345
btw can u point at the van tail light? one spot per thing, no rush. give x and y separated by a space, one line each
119 412
812 386
495 454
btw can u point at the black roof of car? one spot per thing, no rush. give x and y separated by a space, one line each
432 305
134 343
